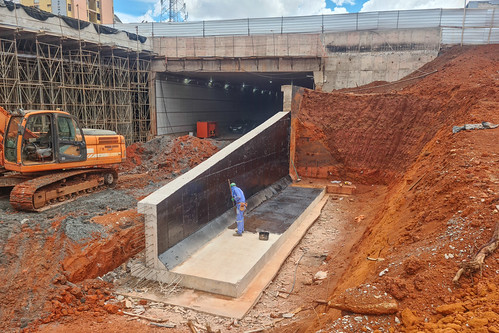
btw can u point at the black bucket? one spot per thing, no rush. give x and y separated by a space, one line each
263 235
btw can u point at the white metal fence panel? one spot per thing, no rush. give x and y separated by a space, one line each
478 18
266 25
452 18
340 22
227 28
467 26
176 29
429 18
494 36
367 21
388 20
451 35
299 24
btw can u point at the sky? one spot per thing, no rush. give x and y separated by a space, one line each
198 10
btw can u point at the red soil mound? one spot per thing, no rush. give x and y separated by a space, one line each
373 137
168 154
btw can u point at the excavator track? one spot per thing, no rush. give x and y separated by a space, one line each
46 191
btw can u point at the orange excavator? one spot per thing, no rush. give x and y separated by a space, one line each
46 158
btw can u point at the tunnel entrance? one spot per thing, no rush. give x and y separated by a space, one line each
246 98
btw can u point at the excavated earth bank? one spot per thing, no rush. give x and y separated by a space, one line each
442 202
427 200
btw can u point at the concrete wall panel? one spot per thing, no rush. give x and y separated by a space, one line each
344 70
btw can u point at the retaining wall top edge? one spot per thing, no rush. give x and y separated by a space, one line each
144 208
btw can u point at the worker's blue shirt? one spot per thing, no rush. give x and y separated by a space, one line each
238 194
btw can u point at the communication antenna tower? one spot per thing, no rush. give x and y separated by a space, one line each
173 11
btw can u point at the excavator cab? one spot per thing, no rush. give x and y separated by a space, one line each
44 138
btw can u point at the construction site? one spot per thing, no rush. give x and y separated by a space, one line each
367 147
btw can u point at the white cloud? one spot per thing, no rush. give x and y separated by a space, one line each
199 10
157 9
127 18
338 10
342 2
379 5
229 9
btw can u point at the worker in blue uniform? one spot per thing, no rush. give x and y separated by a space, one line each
240 200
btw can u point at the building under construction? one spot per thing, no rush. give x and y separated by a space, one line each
97 11
50 62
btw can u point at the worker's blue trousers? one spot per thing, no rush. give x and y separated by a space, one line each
240 220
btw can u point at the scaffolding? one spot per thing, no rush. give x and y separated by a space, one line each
104 87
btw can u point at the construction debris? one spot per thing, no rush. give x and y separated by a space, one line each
476 264
365 299
467 127
156 320
320 275
164 325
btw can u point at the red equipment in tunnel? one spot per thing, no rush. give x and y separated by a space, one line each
207 129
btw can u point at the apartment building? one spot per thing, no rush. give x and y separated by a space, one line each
96 11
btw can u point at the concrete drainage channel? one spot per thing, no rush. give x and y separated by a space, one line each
209 261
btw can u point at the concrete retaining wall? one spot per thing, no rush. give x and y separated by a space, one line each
295 45
361 57
338 60
182 207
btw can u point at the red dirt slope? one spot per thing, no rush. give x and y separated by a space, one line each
443 199
372 137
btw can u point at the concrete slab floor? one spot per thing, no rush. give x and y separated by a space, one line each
232 260
226 257
227 264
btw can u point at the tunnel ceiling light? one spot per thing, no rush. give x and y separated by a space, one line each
187 80
255 90
227 86
270 81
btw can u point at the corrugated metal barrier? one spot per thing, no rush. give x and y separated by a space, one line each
459 26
